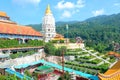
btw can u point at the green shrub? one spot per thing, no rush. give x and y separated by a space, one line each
20 54
54 41
61 41
13 43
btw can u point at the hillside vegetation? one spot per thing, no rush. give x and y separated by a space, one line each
97 32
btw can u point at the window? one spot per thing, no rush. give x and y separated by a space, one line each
48 29
48 34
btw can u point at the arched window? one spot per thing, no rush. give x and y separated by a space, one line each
48 29
49 35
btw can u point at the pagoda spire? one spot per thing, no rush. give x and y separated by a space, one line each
48 11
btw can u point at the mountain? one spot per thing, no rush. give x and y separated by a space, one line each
103 20
113 19
61 23
98 32
38 27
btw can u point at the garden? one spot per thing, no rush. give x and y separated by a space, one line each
86 62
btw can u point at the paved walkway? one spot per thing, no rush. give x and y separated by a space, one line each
97 56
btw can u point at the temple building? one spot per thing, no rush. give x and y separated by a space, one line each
58 37
49 28
11 30
113 73
3 16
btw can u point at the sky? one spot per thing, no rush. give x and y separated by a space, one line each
26 12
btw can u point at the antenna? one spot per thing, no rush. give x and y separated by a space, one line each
63 64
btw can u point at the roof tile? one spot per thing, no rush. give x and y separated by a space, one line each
8 28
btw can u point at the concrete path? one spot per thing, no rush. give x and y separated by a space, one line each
97 56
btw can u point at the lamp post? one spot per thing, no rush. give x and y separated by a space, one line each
63 64
67 32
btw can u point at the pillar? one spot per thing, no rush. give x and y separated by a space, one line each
20 41
23 40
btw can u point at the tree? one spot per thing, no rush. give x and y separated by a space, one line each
60 50
66 76
49 49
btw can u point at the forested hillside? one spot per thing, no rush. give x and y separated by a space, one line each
98 32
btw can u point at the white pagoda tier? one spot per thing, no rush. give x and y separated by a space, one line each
48 25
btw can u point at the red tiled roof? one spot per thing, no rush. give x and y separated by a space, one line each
111 53
115 54
12 28
59 36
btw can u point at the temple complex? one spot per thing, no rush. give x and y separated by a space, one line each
49 28
11 30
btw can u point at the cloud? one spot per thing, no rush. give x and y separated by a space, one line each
26 2
98 12
66 14
62 5
70 5
80 3
69 8
116 4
